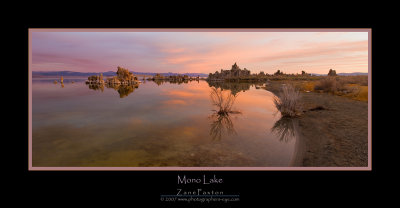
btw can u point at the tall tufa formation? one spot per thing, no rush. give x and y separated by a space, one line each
235 67
332 72
234 72
125 76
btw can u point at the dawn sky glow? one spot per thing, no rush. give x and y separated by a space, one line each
200 52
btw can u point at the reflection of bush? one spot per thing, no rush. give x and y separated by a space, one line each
221 117
221 123
285 128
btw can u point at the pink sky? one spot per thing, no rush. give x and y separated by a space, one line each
201 52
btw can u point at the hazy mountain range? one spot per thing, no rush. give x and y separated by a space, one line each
106 74
343 74
112 73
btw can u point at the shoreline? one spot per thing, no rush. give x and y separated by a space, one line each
336 136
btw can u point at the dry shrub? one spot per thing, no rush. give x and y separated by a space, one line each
308 86
358 92
221 117
327 84
330 84
353 89
361 80
362 94
223 102
288 102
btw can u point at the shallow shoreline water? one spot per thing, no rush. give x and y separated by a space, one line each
155 125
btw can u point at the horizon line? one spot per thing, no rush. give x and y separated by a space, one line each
184 72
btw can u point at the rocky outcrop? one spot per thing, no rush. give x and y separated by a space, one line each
124 82
234 72
124 77
174 78
95 79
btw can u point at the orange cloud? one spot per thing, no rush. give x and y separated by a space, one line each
203 52
178 93
264 59
175 102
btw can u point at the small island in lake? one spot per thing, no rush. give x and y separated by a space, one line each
125 82
238 74
235 72
124 77
175 78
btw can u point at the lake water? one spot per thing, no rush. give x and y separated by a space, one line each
156 125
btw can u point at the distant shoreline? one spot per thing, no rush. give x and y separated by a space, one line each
106 74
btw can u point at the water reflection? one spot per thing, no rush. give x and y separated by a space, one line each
221 120
57 81
285 128
221 123
123 90
234 87
161 81
96 87
76 126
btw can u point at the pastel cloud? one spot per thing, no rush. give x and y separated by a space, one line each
205 52
175 102
179 93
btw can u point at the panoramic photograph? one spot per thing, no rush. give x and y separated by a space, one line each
199 99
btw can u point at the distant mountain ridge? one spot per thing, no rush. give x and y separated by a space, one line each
108 73
111 73
343 74
353 74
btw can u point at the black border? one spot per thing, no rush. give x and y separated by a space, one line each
146 186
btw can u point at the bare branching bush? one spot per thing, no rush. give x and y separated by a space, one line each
221 118
223 102
288 102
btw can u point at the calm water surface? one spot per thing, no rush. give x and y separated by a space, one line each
156 124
